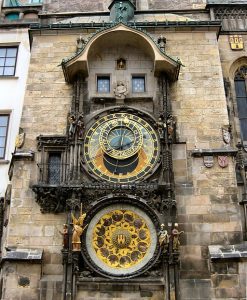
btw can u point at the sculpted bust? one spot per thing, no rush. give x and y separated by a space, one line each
120 90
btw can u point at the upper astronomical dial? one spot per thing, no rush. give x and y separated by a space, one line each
121 148
121 138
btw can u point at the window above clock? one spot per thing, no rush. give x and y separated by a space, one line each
103 84
138 84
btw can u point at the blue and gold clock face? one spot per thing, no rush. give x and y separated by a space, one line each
121 148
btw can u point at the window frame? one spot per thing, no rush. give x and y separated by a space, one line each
6 136
51 180
238 77
17 50
101 76
139 76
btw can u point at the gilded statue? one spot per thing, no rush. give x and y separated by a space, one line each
77 230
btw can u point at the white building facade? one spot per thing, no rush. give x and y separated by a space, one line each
14 63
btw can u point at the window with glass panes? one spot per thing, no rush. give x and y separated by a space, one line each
138 84
4 123
103 84
8 57
240 81
54 168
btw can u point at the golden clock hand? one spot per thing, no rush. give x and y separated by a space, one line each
116 166
122 136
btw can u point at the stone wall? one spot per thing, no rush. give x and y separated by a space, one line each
21 281
96 5
208 208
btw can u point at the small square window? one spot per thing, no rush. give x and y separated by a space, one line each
4 123
8 57
138 84
103 84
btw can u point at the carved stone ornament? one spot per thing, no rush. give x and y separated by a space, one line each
226 135
208 161
223 161
20 139
80 43
120 90
162 42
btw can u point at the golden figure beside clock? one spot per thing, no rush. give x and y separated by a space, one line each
121 148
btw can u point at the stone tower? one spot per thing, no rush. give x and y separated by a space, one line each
125 187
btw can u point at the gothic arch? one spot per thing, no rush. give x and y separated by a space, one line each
235 65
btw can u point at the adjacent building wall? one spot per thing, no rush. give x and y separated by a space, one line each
12 94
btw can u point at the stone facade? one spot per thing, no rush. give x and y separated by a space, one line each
207 194
95 6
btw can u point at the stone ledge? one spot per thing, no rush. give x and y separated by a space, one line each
23 155
17 156
206 152
219 252
17 254
4 162
133 285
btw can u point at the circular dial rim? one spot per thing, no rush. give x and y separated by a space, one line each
126 126
141 164
99 262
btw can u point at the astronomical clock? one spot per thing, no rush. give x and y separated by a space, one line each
118 192
111 173
121 149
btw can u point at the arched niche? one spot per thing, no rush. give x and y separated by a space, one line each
241 61
119 36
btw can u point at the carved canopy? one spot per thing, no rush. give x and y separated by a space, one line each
121 34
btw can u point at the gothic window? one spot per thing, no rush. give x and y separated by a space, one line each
4 122
241 97
8 57
54 168
138 84
103 84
